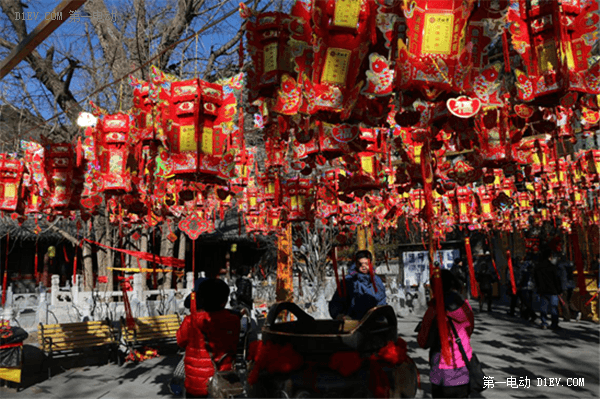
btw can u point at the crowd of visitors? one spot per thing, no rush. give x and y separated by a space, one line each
210 335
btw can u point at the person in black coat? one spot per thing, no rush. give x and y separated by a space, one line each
547 282
486 276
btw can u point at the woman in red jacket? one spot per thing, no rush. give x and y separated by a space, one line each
213 328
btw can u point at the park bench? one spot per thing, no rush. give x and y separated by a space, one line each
158 330
75 338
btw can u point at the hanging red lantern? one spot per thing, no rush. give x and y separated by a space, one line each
298 197
434 58
343 31
58 167
114 144
11 174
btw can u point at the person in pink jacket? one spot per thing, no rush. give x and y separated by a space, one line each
448 379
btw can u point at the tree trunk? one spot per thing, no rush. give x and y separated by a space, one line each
100 230
144 248
166 249
88 264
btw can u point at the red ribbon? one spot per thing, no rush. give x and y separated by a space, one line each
161 260
512 273
471 268
74 263
5 272
372 273
506 51
438 293
35 270
65 254
578 263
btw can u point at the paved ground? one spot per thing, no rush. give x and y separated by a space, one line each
508 348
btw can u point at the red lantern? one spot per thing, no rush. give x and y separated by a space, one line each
433 58
114 152
298 196
195 142
268 35
58 167
554 44
485 204
11 174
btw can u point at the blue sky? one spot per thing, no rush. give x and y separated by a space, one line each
70 38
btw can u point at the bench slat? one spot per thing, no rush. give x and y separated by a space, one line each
153 328
73 345
63 338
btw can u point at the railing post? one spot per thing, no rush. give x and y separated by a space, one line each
138 287
75 290
189 281
55 281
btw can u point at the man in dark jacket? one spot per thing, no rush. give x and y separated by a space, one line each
547 282
486 276
361 295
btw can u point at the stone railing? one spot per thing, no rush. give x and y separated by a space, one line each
71 304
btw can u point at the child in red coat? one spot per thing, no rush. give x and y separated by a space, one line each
213 327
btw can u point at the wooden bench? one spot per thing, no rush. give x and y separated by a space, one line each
73 338
151 330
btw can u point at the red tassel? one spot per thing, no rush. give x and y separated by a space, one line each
128 314
5 270
512 273
194 259
495 268
262 271
372 273
335 270
578 263
277 190
221 212
79 152
438 293
65 254
35 270
74 265
505 51
471 268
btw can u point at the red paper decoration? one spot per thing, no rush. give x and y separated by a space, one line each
11 173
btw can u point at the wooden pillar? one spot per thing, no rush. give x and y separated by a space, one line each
285 259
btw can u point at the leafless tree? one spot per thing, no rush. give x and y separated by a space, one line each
90 59
312 250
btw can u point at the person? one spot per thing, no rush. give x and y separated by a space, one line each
514 298
243 289
448 379
361 295
211 273
209 335
485 274
547 282
460 271
526 286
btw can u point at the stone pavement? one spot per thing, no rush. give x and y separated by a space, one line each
510 349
